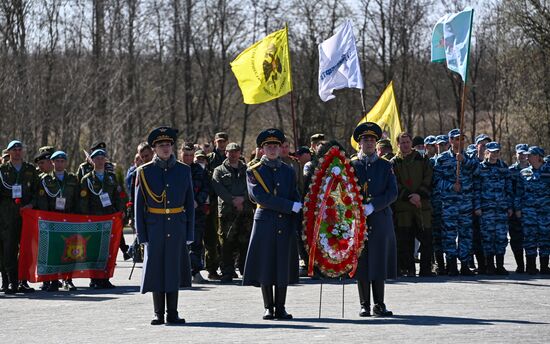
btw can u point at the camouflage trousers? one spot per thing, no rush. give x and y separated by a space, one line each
494 231
234 234
536 231
457 229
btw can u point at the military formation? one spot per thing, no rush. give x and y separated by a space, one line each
205 208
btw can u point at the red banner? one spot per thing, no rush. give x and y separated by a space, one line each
63 246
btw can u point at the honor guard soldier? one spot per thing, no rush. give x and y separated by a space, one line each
532 204
457 203
378 261
58 191
165 219
515 229
100 195
19 184
270 261
493 205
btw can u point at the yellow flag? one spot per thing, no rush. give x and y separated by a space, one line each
384 113
263 69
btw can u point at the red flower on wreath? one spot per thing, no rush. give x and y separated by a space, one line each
332 241
347 201
330 201
343 244
348 214
332 216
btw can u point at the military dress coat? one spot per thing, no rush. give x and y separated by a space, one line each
50 188
378 261
163 225
272 257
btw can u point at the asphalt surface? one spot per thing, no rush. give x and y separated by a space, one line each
486 309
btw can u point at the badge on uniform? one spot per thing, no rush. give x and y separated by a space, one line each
60 203
105 199
16 191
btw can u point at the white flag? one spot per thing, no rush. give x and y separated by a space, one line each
338 63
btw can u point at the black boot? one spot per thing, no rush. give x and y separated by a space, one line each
12 284
481 264
452 267
379 308
267 294
280 300
158 305
465 269
518 255
24 287
364 298
4 282
440 261
172 309
544 269
531 266
500 266
490 264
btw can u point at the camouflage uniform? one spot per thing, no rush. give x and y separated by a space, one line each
456 206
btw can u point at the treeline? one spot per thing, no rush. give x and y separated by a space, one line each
77 71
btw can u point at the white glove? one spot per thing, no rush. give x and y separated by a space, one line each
190 242
368 209
296 207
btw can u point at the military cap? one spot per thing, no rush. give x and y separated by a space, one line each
471 148
59 155
98 145
49 149
188 147
302 150
454 133
162 134
429 140
42 156
439 139
200 154
222 135
492 146
522 148
5 153
98 152
482 137
384 143
317 137
536 150
271 135
417 140
367 129
547 159
233 146
14 144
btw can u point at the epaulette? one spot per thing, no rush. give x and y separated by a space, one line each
256 165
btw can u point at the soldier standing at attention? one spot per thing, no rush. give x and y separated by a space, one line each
270 262
532 204
515 230
234 211
19 184
478 151
100 195
430 147
457 203
165 219
59 192
378 261
493 205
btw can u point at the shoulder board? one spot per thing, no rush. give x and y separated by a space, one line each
256 165
355 157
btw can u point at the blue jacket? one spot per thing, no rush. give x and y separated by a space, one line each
165 233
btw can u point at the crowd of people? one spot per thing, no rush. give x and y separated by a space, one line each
452 205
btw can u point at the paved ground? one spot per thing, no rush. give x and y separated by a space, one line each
436 310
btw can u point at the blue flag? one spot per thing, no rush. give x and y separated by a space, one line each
451 41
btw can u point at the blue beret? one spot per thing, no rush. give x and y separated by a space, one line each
536 150
98 152
441 139
162 134
59 155
522 148
492 146
454 133
367 129
429 140
482 137
14 144
271 135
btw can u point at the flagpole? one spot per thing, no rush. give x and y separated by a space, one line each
460 139
361 91
292 112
